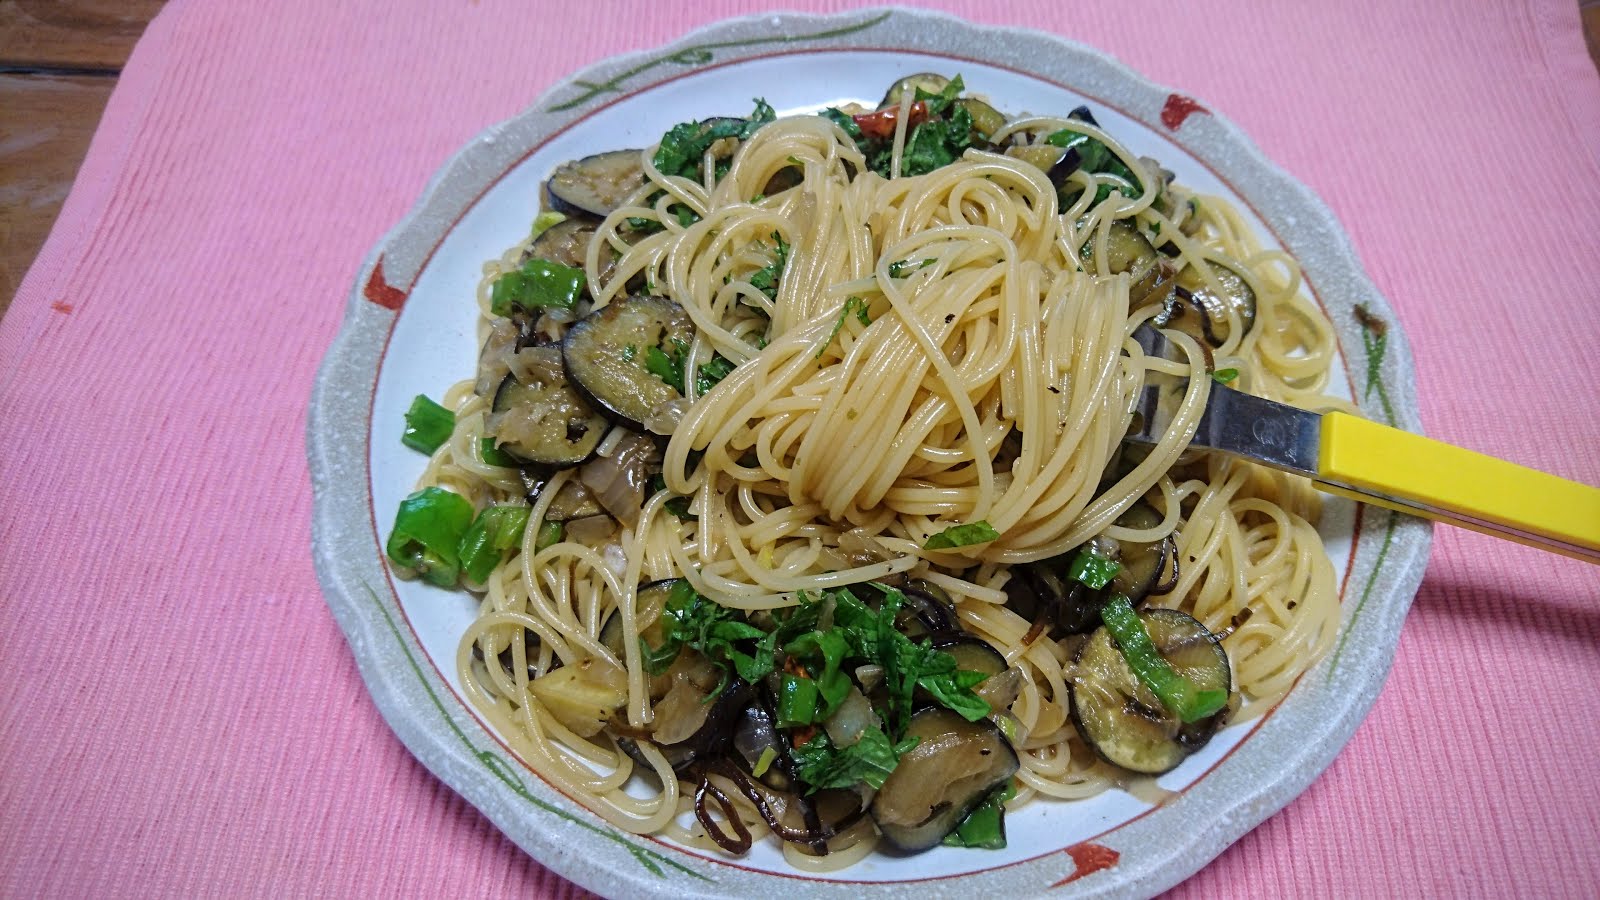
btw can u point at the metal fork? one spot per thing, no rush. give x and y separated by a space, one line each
1353 457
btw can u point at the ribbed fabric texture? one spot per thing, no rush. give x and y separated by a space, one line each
179 714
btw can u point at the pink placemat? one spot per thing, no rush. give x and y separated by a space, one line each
179 714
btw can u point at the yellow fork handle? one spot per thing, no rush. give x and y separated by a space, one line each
1386 466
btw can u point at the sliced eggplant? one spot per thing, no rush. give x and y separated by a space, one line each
1205 317
973 654
760 745
986 120
1055 162
1082 114
953 767
537 417
649 600
530 646
606 354
1121 719
928 610
596 185
1040 592
928 82
1128 250
1142 562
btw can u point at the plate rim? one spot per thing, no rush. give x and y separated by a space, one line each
409 697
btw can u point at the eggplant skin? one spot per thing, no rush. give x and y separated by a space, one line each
953 767
596 185
607 373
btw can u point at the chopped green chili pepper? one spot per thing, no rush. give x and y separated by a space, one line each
1223 376
540 283
427 534
1093 569
1177 693
496 530
428 425
550 534
979 532
985 827
493 455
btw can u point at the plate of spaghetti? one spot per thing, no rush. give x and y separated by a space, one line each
721 479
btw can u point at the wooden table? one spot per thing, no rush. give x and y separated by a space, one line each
59 60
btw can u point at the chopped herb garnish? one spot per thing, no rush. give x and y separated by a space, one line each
677 505
684 146
903 268
496 530
940 131
854 305
693 621
1096 158
667 366
766 278
630 351
1092 569
1223 376
870 760
979 532
711 373
428 425
427 534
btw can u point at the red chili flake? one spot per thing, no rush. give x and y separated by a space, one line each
1089 859
1178 108
379 291
880 124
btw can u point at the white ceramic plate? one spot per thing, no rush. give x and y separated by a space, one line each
410 330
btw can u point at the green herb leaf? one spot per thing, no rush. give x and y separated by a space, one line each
937 143
766 278
1223 376
677 505
693 621
1176 692
427 534
665 366
852 305
711 374
938 103
684 146
428 425
1092 569
495 530
870 760
979 532
904 267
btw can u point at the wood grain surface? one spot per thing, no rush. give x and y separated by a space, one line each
59 60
